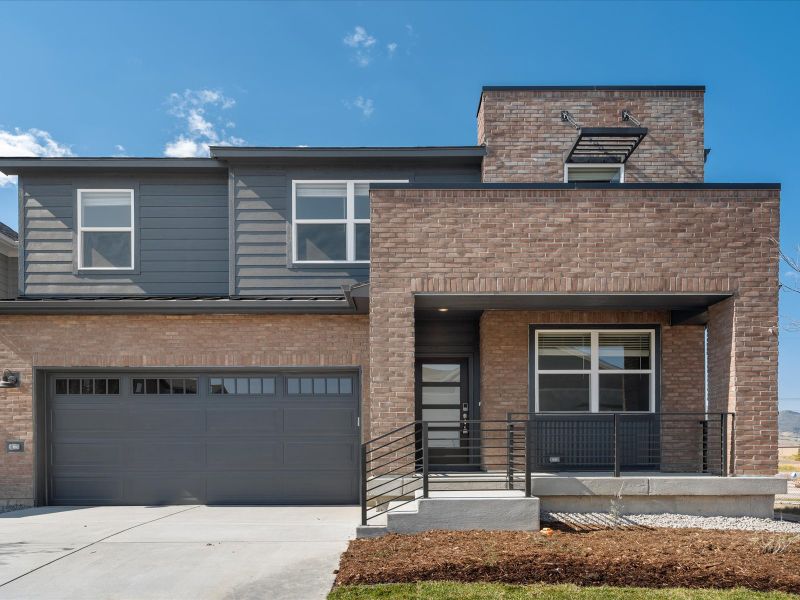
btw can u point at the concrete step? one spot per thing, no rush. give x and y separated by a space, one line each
499 510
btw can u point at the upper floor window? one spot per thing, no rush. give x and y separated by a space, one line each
105 229
594 173
330 221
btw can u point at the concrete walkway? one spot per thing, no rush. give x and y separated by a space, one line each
173 552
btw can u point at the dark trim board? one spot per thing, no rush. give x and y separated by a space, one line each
579 301
367 152
179 306
604 88
575 186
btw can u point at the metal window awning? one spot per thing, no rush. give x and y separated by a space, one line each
605 144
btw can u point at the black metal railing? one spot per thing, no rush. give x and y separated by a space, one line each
425 456
676 442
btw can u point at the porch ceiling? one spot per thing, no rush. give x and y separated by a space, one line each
689 308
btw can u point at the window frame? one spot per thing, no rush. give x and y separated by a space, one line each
130 230
619 166
594 371
349 221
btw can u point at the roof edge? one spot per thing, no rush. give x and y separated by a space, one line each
13 165
576 186
173 306
588 88
251 152
599 88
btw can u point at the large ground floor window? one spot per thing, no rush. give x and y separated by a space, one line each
593 370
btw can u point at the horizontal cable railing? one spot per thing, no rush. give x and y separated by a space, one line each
425 456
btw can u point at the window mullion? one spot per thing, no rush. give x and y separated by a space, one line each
595 377
350 234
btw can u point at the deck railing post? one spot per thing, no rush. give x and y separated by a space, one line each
509 453
617 457
424 459
723 418
528 456
363 484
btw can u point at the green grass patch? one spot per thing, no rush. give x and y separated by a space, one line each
445 590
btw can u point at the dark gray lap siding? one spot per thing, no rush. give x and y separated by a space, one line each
182 235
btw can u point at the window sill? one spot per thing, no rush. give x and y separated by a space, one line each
328 265
126 271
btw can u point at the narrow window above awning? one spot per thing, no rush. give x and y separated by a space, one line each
605 144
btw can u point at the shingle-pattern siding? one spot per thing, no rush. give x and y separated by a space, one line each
151 341
598 241
527 140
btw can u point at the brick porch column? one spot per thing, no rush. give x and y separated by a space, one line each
391 360
743 377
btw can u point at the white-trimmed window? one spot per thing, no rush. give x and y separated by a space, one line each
594 173
105 230
330 221
602 370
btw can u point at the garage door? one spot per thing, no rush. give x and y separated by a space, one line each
207 438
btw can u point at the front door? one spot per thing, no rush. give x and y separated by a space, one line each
442 392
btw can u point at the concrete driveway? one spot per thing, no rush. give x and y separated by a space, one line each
192 552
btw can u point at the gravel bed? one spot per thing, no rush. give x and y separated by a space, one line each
670 520
12 507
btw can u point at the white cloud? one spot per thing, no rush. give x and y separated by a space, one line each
359 38
201 126
365 105
29 142
363 44
391 48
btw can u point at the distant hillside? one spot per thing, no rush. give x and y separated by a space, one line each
789 423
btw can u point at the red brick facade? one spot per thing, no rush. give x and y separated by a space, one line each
526 139
591 241
160 341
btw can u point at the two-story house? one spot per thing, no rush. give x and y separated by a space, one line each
231 329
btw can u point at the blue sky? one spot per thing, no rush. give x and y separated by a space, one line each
145 79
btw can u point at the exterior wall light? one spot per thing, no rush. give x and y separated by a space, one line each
10 379
443 309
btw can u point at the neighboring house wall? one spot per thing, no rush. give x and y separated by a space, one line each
262 200
9 276
595 241
152 341
527 140
181 235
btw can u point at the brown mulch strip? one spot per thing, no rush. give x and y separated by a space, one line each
655 558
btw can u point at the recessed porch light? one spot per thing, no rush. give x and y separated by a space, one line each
443 309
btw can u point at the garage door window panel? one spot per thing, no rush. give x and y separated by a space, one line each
86 386
319 386
164 386
242 386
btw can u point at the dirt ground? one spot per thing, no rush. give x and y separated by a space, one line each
652 558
